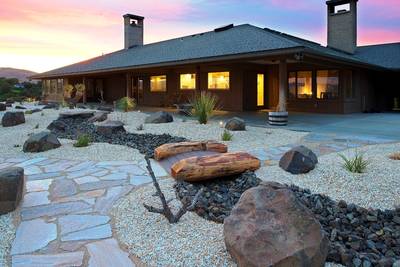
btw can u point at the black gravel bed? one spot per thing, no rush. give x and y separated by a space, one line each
145 143
222 194
359 237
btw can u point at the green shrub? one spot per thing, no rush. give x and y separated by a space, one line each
28 112
357 164
140 127
83 141
204 106
226 136
126 104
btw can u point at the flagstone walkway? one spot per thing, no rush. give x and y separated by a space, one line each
64 217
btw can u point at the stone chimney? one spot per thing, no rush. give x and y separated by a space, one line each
133 30
342 25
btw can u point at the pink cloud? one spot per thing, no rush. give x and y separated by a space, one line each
368 36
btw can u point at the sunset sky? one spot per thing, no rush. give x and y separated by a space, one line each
40 35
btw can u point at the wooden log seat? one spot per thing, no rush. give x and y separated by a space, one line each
196 169
168 150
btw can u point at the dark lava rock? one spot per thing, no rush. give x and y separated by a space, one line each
41 142
269 226
145 143
76 115
235 124
12 118
219 196
105 108
11 188
57 125
20 107
110 127
3 107
51 106
159 117
298 160
99 116
36 110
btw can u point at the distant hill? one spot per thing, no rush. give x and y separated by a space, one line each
21 75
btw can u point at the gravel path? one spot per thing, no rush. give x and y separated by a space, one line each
253 137
378 187
191 242
7 233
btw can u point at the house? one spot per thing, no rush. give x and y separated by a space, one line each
247 67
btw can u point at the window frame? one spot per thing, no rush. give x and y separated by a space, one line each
296 85
338 84
219 89
166 84
187 89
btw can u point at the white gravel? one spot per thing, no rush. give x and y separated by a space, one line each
191 242
378 187
7 233
252 138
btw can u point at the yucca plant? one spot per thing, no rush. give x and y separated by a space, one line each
126 104
83 141
204 105
226 136
357 164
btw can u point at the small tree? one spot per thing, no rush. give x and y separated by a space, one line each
126 104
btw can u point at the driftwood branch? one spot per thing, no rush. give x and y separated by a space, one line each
165 210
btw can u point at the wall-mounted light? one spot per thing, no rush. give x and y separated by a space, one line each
299 56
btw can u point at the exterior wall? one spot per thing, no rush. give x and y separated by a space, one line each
114 87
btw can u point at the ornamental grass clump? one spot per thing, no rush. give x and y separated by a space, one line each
126 104
204 105
83 141
357 164
226 136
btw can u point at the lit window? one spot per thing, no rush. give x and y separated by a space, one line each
304 84
188 81
260 90
218 80
292 85
327 84
158 83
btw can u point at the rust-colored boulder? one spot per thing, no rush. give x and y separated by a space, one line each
169 150
270 227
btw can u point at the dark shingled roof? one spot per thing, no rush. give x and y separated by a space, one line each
385 55
242 39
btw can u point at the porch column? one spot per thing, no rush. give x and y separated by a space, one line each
128 85
282 85
84 92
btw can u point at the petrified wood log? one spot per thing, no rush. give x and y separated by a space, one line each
168 150
207 167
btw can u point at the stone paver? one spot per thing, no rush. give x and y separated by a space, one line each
107 253
33 235
64 216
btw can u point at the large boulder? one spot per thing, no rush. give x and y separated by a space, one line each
57 125
270 227
86 114
12 118
41 142
3 107
20 107
235 124
159 117
105 108
50 106
11 188
298 160
110 127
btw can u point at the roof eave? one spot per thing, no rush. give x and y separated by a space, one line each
180 62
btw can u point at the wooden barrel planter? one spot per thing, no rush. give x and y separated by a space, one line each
278 118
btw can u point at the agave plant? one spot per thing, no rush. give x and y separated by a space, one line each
357 164
204 105
126 104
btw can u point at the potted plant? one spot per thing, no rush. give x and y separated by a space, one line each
279 117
